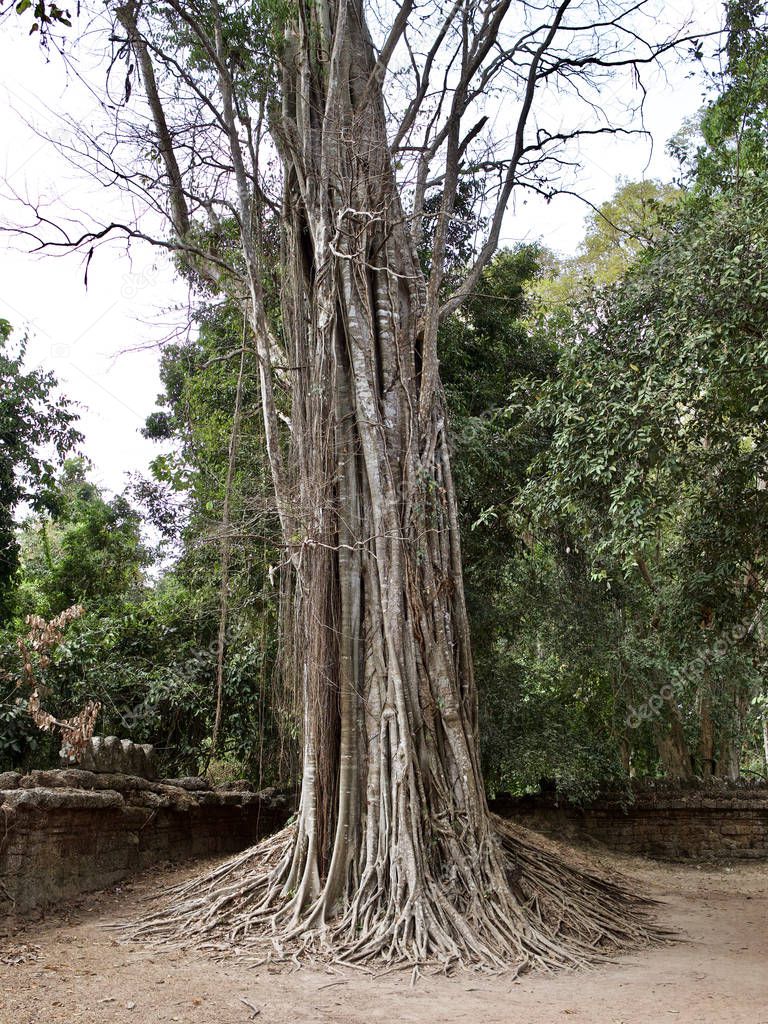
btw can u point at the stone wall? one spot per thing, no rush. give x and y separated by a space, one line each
63 833
663 821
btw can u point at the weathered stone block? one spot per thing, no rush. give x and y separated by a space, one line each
61 799
64 778
108 754
195 783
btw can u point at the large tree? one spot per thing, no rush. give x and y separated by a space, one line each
289 114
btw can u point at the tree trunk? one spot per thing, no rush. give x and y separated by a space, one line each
393 824
728 764
672 746
706 734
732 738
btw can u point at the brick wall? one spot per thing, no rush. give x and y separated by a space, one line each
63 833
659 821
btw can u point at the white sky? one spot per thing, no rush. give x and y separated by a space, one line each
131 301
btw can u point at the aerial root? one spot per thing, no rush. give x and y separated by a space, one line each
543 913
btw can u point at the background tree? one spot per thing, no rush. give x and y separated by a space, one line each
535 616
616 233
197 425
87 550
728 140
657 463
36 430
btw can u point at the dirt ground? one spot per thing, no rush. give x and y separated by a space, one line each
69 968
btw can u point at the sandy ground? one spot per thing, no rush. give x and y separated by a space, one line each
73 970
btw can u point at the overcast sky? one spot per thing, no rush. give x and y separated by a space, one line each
133 300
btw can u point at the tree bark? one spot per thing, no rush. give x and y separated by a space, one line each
706 733
387 672
672 746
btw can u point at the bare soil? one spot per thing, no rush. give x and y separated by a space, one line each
69 968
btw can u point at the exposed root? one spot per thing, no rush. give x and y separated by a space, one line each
545 915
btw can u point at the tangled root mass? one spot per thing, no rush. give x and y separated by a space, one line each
546 915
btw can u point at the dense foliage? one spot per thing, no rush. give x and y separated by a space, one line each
36 431
656 470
